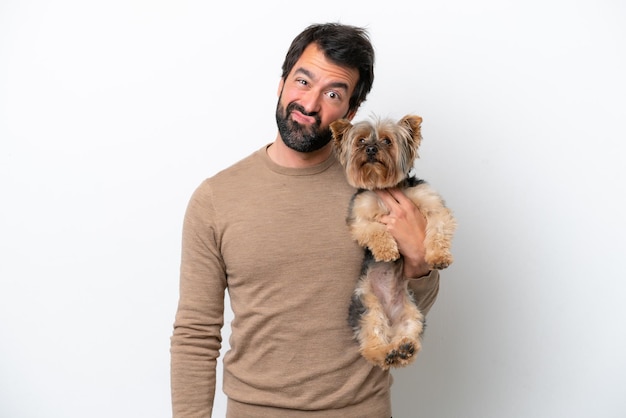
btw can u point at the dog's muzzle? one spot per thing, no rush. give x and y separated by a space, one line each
371 150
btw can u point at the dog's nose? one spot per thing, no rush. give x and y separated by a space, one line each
371 150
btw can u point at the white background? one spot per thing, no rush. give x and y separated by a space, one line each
111 113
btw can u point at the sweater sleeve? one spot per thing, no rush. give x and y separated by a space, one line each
196 338
425 290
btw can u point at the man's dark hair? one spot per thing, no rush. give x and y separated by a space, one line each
344 45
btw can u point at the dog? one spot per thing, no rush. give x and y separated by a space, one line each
380 154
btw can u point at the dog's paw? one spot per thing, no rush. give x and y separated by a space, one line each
397 354
390 359
385 253
440 266
439 261
403 353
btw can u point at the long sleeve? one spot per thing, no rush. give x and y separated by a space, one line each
196 338
425 290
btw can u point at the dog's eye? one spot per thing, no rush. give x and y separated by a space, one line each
361 141
386 141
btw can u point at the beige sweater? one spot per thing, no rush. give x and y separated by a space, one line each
277 240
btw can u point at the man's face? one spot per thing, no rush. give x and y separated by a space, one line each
315 93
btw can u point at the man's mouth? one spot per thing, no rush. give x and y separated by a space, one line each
301 118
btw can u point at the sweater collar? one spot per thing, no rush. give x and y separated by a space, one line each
289 171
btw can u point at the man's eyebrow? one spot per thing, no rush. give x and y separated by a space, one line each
336 84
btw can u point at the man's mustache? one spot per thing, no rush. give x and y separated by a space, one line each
295 106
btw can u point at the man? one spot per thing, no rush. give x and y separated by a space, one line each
271 229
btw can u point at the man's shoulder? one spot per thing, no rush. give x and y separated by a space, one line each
234 178
235 173
251 162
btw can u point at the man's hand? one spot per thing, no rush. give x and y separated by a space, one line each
408 226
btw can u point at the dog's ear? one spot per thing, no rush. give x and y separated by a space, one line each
339 128
414 124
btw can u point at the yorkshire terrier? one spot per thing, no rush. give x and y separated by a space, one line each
383 314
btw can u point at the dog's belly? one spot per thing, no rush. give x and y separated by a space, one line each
388 285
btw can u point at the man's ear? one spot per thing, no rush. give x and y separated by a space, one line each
351 113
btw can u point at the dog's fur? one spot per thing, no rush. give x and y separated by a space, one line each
377 155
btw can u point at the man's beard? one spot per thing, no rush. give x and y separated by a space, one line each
299 137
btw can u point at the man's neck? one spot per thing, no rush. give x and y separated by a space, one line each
284 156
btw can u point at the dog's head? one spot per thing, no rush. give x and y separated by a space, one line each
377 155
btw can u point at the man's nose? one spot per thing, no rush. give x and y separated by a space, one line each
310 101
